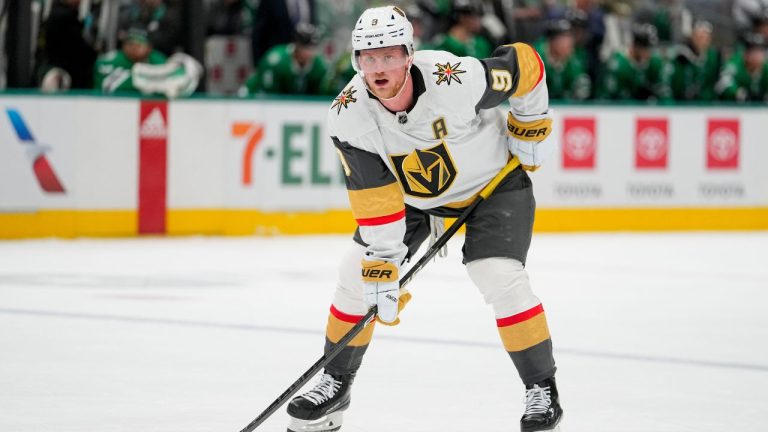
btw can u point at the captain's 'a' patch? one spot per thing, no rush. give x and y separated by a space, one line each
344 99
447 73
425 173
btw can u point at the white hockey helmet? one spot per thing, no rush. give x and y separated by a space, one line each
381 27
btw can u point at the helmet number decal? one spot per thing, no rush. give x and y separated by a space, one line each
374 22
502 80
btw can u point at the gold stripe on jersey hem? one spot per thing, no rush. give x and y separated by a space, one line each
376 202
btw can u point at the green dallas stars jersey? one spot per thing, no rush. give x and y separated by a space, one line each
477 46
112 71
278 72
737 84
568 80
694 76
624 79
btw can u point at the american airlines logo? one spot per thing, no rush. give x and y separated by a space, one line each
36 152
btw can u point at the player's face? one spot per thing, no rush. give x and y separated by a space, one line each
136 51
384 69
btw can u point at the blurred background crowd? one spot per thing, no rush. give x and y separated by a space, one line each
651 50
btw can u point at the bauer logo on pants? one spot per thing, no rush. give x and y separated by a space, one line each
425 173
723 144
651 143
579 143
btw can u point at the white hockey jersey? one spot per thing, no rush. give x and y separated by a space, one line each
444 150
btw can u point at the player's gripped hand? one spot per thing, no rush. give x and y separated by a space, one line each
381 288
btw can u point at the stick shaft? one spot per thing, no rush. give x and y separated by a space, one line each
369 317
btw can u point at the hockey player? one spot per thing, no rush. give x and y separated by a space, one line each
139 68
566 72
420 134
640 74
744 77
295 68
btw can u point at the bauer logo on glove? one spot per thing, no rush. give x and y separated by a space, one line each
379 271
529 131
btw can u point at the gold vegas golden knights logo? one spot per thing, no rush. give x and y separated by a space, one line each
425 173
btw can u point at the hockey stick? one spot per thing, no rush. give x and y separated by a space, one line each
371 315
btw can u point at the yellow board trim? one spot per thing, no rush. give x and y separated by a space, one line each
68 223
121 223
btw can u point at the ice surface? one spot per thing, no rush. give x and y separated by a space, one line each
652 332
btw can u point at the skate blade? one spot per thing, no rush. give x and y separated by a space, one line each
329 423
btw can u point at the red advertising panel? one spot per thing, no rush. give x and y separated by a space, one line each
153 153
651 143
579 143
723 144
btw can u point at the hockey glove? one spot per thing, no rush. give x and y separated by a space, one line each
381 288
529 140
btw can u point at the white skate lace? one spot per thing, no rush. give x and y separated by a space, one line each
537 400
324 390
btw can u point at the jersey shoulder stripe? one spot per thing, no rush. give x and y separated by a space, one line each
531 69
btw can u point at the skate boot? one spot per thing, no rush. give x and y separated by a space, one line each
320 409
542 407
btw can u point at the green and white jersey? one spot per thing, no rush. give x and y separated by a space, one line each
566 80
277 72
737 84
112 71
624 79
476 46
694 76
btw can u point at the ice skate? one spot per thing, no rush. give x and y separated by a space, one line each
542 408
321 409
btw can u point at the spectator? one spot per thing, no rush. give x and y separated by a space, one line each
696 66
228 17
137 67
641 75
527 20
63 47
566 74
586 43
275 23
745 76
745 11
162 22
294 68
672 20
760 24
464 37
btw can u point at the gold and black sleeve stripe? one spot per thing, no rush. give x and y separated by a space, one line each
512 71
374 194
